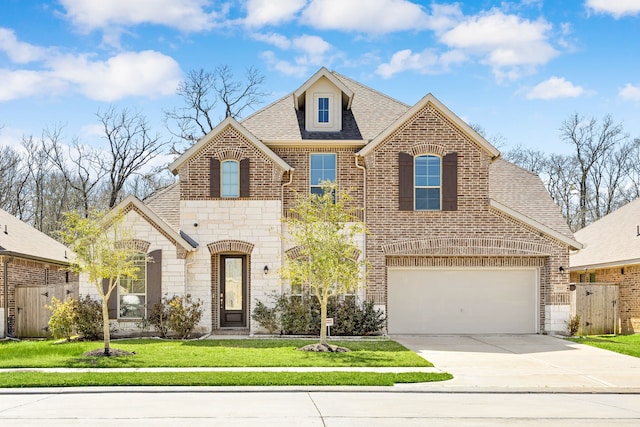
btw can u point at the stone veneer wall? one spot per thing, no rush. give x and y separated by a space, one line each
254 222
474 219
628 279
173 266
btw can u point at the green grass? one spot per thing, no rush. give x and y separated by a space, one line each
206 353
625 344
40 379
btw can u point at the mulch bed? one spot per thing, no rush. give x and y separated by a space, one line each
113 352
324 348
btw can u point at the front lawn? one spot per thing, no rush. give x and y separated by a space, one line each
205 353
625 344
93 379
208 353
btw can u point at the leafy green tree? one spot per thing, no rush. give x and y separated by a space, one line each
324 228
102 250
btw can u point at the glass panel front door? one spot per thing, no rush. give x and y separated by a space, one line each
232 291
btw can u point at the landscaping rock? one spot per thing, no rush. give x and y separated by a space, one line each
324 348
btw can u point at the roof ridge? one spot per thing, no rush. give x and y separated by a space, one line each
266 107
369 88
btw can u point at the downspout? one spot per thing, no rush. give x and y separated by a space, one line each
282 242
6 296
364 206
282 189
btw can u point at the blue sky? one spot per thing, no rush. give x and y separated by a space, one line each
516 68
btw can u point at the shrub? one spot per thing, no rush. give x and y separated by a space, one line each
573 324
88 318
62 321
267 317
183 314
158 317
299 315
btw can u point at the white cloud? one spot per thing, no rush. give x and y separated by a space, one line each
308 51
509 44
146 73
277 40
630 92
18 84
555 87
185 15
616 8
17 51
425 62
271 12
376 16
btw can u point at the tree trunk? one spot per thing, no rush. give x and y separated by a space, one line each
105 325
323 321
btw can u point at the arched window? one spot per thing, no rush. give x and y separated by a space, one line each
230 178
427 182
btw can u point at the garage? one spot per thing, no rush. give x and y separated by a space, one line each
462 301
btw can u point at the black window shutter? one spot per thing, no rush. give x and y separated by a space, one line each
112 303
244 178
214 178
405 182
450 182
154 279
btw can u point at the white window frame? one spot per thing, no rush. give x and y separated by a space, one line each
316 110
335 179
415 186
125 281
222 179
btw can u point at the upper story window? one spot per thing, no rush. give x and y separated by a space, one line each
323 168
427 182
323 110
132 292
230 179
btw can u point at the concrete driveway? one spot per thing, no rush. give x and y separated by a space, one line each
524 363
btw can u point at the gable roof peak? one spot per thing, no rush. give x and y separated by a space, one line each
228 121
347 94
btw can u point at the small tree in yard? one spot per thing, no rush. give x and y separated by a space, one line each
100 243
323 228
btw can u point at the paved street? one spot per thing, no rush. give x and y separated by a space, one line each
210 408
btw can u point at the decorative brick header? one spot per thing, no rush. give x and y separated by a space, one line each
296 252
426 147
135 244
233 153
237 246
466 247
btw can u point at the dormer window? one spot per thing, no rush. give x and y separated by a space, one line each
323 110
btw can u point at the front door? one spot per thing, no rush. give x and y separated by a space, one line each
233 285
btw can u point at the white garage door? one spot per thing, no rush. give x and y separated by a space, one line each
478 301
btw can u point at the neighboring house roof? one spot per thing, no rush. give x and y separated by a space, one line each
166 203
229 121
20 239
611 241
457 121
522 195
177 237
371 112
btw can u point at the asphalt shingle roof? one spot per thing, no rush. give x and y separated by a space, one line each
612 240
371 112
166 204
525 193
21 238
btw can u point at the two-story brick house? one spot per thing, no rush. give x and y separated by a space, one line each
460 240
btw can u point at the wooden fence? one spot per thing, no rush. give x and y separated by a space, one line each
598 305
31 315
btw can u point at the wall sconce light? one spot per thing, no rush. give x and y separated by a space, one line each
561 269
266 269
